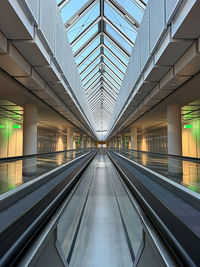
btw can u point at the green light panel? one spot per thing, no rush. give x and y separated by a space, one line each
188 126
15 126
2 126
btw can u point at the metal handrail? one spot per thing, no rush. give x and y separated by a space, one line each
163 154
39 154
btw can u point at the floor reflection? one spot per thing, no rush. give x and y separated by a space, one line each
183 172
15 173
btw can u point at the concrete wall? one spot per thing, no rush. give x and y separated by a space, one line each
11 139
51 141
153 141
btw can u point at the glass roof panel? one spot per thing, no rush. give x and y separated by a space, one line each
91 74
113 75
112 80
92 83
85 38
115 50
89 60
132 8
102 53
91 57
88 50
114 60
90 68
71 8
84 22
87 85
120 23
113 68
119 39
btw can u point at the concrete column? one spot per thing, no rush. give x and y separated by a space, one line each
111 143
81 142
69 138
89 142
86 142
134 138
174 130
174 137
30 130
118 143
30 138
122 142
92 143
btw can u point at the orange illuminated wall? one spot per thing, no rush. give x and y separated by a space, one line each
191 139
10 139
191 148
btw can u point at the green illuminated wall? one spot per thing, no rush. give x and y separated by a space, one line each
10 138
191 139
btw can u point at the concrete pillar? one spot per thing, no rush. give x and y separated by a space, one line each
174 130
92 143
30 138
174 137
69 138
111 143
86 142
134 138
89 142
81 142
122 142
118 143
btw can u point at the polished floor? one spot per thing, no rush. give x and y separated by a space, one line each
187 172
109 232
12 172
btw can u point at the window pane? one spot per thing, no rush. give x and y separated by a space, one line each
88 50
71 8
114 60
132 8
85 38
91 74
92 80
120 23
84 22
115 77
90 68
116 36
92 57
115 50
111 80
114 69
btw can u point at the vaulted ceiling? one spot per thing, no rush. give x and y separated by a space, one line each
102 34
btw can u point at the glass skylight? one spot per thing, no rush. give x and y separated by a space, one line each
102 34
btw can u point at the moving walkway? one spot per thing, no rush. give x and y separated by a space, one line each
104 211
